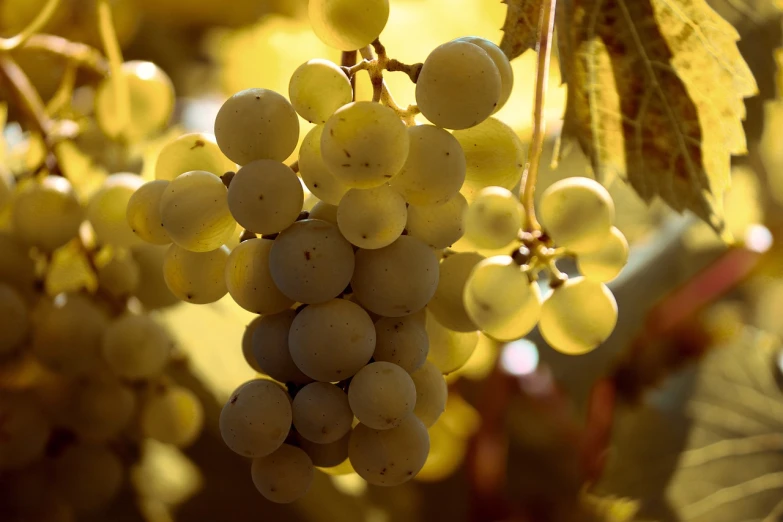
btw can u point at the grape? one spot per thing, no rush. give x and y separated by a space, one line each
605 263
321 413
89 476
396 280
143 212
447 305
578 316
439 226
120 276
459 86
196 277
47 214
493 219
402 341
249 280
372 218
317 89
494 154
270 348
364 144
152 290
189 152
151 97
449 350
25 431
265 196
348 24
500 60
324 212
326 455
283 476
331 341
256 419
101 409
16 266
577 213
108 208
381 395
256 124
173 415
311 262
431 393
14 320
434 169
67 338
389 457
136 347
316 175
247 344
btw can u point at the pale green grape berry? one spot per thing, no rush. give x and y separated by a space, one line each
372 218
493 219
284 476
249 280
324 212
577 213
389 457
316 175
348 24
494 154
247 343
195 277
256 419
173 415
396 280
439 226
16 265
332 341
26 431
136 347
435 168
143 212
269 346
447 305
265 196
605 263
107 210
120 276
459 86
47 214
192 151
501 62
100 409
431 393
88 476
194 212
14 319
321 413
449 350
326 455
256 124
317 89
382 395
311 262
152 290
578 316
364 144
501 300
402 341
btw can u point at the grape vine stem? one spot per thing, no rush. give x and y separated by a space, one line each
111 46
43 17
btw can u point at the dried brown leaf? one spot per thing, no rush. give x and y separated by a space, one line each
520 30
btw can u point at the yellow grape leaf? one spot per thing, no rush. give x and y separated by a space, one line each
656 90
70 271
520 30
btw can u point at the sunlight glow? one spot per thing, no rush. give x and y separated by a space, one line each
519 357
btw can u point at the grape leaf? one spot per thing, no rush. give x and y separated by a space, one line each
656 90
520 29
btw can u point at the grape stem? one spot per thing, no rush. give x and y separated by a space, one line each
381 92
44 15
74 52
111 46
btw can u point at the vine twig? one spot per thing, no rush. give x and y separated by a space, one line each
44 15
111 46
75 52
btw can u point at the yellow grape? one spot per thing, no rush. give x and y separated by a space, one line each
501 62
316 175
283 476
193 151
172 415
447 305
493 219
143 212
196 277
317 89
449 350
348 24
372 218
249 279
439 226
605 263
107 210
47 214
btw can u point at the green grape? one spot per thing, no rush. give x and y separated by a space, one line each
326 455
605 263
372 218
256 419
256 124
193 151
332 341
249 279
107 210
151 98
283 476
500 60
578 316
152 290
364 144
100 409
494 154
247 343
194 212
143 212
196 277
493 219
324 212
447 305
270 348
577 213
449 350
434 169
348 24
459 86
311 262
402 341
173 415
25 431
389 457
16 267
431 393
316 175
89 476
439 226
321 413
14 319
120 276
47 214
396 280
381 395
317 89
136 347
